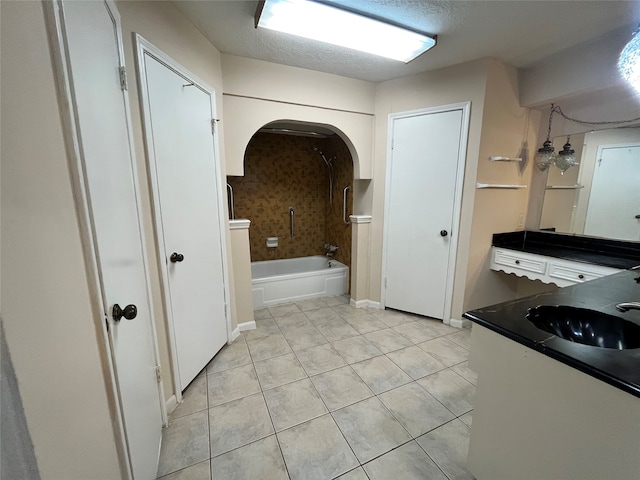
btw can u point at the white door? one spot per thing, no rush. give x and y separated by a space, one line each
102 123
188 202
426 166
614 201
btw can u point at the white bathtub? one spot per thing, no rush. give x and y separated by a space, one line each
289 280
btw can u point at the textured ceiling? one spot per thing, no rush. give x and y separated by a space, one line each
520 33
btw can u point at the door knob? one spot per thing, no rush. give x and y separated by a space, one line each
176 257
129 312
638 217
443 233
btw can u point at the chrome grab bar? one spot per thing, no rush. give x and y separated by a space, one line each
291 214
230 200
344 205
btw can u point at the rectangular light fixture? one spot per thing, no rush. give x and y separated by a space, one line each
325 23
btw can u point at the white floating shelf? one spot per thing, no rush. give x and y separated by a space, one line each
564 187
493 185
505 159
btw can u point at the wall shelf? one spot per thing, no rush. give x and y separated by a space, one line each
494 185
499 158
564 187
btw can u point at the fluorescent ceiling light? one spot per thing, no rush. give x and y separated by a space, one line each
328 24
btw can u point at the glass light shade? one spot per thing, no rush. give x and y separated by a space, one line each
545 157
629 61
566 158
332 25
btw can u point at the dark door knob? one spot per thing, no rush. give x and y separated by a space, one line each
176 257
443 233
638 217
129 312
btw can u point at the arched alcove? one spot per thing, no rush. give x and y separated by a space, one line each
305 166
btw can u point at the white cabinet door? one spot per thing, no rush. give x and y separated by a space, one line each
421 212
181 147
102 123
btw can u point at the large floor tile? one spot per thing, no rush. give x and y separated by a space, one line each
415 362
348 311
370 429
238 423
294 403
393 318
464 371
467 418
356 349
185 442
387 340
194 398
365 323
311 304
448 446
380 374
232 384
462 338
417 331
292 320
261 314
341 387
446 351
267 347
277 371
261 459
450 389
440 327
283 310
264 328
336 330
304 336
409 462
355 474
316 450
415 409
231 356
336 300
199 471
322 315
320 359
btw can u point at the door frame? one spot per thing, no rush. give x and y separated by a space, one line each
465 107
54 17
144 47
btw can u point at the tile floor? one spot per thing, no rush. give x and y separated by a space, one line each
322 390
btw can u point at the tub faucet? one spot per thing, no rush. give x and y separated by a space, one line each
331 250
625 307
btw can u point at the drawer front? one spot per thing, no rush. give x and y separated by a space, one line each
573 274
522 262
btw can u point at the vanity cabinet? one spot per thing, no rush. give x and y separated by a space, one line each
558 271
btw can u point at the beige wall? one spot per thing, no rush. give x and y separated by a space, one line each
162 24
257 92
242 273
53 331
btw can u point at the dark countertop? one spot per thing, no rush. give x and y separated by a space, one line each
599 251
620 368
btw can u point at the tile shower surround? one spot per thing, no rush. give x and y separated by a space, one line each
321 390
283 171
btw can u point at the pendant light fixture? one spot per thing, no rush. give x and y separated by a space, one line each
566 158
546 155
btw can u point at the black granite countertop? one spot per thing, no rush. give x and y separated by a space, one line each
620 368
599 251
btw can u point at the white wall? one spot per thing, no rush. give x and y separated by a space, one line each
53 331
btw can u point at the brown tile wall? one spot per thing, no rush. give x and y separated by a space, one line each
283 171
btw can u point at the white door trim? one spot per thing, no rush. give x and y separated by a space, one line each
62 67
144 47
465 107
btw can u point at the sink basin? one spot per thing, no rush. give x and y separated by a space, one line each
587 327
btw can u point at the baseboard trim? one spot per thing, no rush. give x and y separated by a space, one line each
455 323
235 334
171 404
364 304
243 327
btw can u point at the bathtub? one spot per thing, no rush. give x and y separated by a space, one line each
289 280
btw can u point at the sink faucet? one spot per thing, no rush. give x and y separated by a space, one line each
624 307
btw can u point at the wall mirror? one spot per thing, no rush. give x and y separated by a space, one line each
601 196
